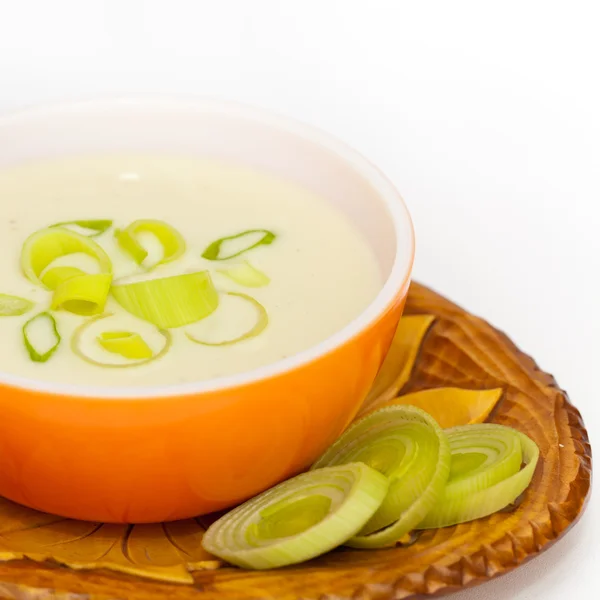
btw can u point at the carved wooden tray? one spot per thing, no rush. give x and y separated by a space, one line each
440 345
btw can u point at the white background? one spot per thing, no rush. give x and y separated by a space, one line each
485 114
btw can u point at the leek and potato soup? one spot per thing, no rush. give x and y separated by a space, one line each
153 270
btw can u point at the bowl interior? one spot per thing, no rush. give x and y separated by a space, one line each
235 133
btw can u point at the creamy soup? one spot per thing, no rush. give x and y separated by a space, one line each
315 276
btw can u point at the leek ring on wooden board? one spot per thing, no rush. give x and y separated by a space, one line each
491 466
407 445
298 519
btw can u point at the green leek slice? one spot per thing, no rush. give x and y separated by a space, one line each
298 519
14 306
169 301
129 345
405 444
242 242
245 274
84 295
41 337
262 320
486 473
173 244
45 246
88 228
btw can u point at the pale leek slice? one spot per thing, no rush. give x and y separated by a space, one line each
405 444
169 302
262 320
84 295
45 246
87 227
245 274
131 246
54 276
41 337
298 519
239 243
173 244
491 466
128 344
14 306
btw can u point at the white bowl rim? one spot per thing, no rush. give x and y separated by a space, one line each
396 284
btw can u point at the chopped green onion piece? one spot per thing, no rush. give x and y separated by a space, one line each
407 445
45 246
173 244
54 276
298 519
486 473
14 306
89 228
83 295
169 301
127 344
41 337
245 274
214 250
262 320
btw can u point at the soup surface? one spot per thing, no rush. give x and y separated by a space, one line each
320 272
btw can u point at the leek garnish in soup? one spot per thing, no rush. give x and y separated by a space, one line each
173 244
14 306
91 228
41 337
189 270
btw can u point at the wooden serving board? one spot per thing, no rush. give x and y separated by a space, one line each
439 346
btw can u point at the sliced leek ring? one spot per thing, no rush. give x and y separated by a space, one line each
169 302
491 467
53 277
84 295
173 244
405 444
262 320
86 227
125 344
43 247
298 519
238 244
41 337
14 306
245 274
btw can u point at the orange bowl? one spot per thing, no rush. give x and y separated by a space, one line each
155 454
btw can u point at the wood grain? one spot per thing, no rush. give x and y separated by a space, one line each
458 350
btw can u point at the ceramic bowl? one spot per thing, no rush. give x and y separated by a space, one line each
172 452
